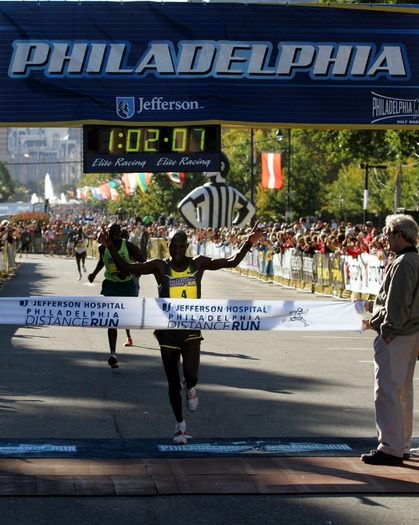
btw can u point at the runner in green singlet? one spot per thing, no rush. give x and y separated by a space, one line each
116 282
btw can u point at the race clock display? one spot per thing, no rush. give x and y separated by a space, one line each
155 148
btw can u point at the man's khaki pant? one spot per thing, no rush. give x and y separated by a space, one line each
394 369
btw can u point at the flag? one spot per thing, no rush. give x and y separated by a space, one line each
113 185
127 184
272 171
105 190
143 181
97 194
177 178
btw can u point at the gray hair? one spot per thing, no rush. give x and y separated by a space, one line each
405 224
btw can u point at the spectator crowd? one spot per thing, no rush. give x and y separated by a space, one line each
302 236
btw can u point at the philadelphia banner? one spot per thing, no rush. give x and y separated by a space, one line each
72 63
173 314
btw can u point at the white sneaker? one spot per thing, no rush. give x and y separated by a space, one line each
113 361
79 278
191 399
179 436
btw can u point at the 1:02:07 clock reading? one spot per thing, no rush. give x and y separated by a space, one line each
156 139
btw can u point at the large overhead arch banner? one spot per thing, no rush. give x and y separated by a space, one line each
69 63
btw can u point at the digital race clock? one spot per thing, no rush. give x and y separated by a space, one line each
155 148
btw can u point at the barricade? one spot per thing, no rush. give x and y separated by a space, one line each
4 261
329 274
7 260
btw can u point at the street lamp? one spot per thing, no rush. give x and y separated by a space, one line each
279 137
398 190
366 167
252 166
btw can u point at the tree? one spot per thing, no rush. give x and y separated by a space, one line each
343 198
368 146
237 144
404 142
312 168
7 185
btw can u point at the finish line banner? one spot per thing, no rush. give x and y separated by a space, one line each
73 63
191 314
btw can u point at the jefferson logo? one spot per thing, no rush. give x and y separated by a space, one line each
160 104
395 110
125 107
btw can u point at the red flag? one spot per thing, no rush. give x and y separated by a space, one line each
272 171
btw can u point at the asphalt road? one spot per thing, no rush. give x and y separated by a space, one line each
56 384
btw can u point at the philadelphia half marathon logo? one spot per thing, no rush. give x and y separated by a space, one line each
395 110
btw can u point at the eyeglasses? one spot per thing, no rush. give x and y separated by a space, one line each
392 233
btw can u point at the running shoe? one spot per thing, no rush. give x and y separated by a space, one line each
128 342
79 278
179 437
113 361
191 399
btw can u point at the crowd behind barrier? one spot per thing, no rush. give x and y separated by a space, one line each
338 260
336 275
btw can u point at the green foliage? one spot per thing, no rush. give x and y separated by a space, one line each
21 193
164 195
7 184
404 142
236 144
369 146
344 196
96 179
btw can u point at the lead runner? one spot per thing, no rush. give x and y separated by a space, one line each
179 276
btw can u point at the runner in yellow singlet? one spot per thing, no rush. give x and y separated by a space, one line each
180 276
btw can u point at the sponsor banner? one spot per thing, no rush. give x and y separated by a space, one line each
364 274
12 208
79 312
249 64
173 314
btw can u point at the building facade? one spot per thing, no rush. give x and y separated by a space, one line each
32 153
